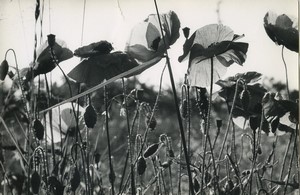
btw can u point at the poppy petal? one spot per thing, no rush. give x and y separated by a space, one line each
96 69
145 43
199 73
97 48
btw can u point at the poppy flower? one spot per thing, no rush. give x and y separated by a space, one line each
96 69
63 119
254 90
214 41
146 42
44 62
94 49
282 30
281 115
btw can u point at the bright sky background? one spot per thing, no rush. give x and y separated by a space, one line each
112 20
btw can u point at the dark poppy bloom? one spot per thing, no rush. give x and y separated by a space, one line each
280 115
282 30
96 69
146 42
214 41
94 49
245 108
44 62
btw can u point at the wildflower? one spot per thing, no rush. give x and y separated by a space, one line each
214 41
97 68
254 90
146 43
281 115
94 49
45 62
282 30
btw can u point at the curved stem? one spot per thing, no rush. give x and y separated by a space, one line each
286 74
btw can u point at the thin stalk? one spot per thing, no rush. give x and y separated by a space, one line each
130 141
124 171
285 157
286 73
229 120
108 142
273 160
50 122
177 107
291 160
207 137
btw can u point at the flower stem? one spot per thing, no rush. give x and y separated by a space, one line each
291 160
286 74
108 143
177 108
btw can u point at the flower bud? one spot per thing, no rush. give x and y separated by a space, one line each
75 179
97 158
219 123
141 165
38 129
90 116
35 182
152 149
3 70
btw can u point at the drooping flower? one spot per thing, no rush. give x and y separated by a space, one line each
96 69
94 49
254 90
146 42
282 30
216 42
45 62
281 115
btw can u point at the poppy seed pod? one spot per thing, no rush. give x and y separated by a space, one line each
152 149
38 129
259 150
97 158
186 32
141 165
139 93
75 180
90 116
51 40
35 182
3 69
219 123
196 185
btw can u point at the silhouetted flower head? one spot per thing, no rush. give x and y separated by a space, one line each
146 42
282 30
214 41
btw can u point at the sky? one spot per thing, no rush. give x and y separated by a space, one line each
112 20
